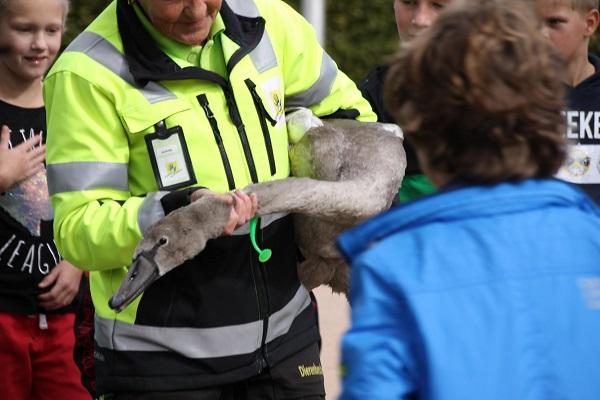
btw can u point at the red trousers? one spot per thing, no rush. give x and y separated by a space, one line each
35 363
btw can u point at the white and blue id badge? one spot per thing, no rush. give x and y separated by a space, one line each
170 157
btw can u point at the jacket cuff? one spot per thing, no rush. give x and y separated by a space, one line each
350 113
177 199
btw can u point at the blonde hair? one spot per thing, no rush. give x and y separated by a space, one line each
64 3
582 6
586 4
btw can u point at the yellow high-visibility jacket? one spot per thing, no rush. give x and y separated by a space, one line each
222 316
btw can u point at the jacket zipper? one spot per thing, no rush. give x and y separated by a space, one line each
203 100
260 281
234 114
263 116
264 299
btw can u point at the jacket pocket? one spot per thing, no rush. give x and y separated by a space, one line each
141 118
264 117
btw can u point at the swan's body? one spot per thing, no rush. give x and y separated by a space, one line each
344 172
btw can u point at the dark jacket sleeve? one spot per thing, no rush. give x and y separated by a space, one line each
372 89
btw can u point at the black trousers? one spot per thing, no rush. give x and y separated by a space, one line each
300 377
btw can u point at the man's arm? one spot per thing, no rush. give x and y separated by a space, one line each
96 224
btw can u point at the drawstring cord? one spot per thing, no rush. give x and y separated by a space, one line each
263 255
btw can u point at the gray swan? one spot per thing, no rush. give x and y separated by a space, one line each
344 172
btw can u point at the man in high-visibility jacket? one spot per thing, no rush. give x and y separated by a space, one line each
154 100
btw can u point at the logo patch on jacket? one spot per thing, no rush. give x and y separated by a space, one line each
274 97
311 370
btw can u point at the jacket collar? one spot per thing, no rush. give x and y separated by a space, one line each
148 63
173 49
461 202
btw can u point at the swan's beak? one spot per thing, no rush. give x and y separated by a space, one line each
142 272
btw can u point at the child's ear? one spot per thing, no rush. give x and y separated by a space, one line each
592 18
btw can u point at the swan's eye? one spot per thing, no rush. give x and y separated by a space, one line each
163 240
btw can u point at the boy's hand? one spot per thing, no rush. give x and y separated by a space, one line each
64 280
20 162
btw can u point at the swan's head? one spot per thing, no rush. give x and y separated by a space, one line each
170 242
143 271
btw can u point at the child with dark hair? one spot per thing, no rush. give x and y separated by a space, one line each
569 25
412 17
488 289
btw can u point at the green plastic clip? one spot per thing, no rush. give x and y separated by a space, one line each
263 255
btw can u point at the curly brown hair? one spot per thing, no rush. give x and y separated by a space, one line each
479 94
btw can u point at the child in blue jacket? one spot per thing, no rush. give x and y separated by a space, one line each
489 289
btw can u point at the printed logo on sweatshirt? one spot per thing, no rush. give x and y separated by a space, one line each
30 258
582 125
99 356
582 164
28 202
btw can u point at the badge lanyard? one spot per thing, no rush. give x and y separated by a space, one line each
170 157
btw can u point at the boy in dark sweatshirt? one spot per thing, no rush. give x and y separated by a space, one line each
569 25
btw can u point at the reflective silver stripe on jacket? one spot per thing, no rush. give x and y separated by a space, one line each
245 8
105 54
199 342
263 56
77 176
151 210
319 90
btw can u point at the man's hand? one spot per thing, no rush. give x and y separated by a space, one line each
21 161
243 207
64 281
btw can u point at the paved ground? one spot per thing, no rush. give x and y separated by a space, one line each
334 320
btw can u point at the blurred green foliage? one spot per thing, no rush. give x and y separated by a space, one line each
360 33
595 43
81 14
